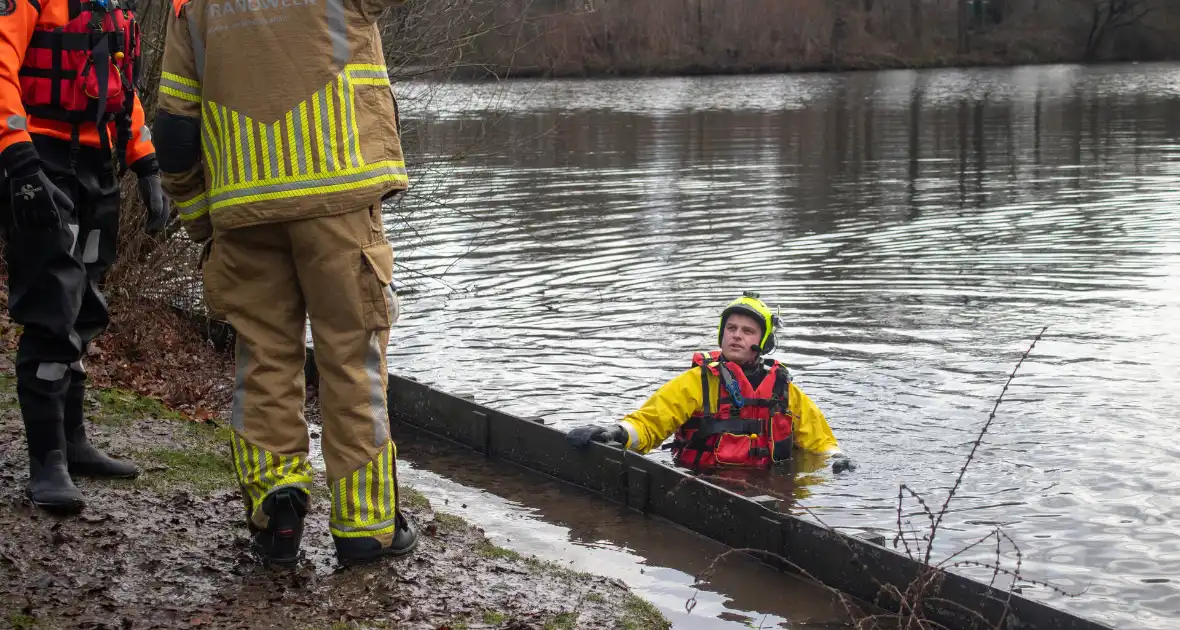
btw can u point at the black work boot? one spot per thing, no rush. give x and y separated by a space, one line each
84 459
354 551
276 538
50 487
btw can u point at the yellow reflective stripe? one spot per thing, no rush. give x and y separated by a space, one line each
194 208
366 66
231 138
356 132
319 137
208 144
179 79
364 502
369 81
277 133
306 167
265 150
252 170
291 146
170 91
334 153
261 472
346 180
220 169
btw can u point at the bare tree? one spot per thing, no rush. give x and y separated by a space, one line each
1108 16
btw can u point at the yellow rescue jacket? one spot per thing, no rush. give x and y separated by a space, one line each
678 399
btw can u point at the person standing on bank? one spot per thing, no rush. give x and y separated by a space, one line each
70 124
732 408
278 141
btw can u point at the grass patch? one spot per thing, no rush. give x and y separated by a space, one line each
640 614
491 551
449 522
119 407
185 468
563 621
20 621
596 598
494 617
412 499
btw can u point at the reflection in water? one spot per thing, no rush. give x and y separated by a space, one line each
660 562
916 228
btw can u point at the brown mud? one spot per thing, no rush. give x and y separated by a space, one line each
170 550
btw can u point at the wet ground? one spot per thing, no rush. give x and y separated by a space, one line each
170 550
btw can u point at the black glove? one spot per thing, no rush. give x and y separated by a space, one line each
841 463
151 193
37 204
582 436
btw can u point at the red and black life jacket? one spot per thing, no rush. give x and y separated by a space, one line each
85 71
754 429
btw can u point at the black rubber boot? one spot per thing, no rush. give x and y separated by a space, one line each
277 541
50 487
84 459
354 551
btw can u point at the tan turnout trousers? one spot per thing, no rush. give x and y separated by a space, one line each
266 280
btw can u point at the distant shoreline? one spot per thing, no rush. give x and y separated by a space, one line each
482 72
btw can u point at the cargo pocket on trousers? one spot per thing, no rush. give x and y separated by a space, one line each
380 303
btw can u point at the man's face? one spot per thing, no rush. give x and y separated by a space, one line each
740 333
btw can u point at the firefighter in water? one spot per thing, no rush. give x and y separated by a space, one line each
278 141
732 408
70 125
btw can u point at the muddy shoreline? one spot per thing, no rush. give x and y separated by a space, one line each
170 549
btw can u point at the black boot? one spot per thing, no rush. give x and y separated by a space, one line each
354 551
50 487
276 540
86 460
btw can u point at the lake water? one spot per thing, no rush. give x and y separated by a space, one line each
569 244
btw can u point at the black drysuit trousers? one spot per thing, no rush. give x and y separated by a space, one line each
54 281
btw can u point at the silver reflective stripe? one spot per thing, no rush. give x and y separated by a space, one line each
376 172
365 528
362 480
387 480
300 155
180 87
375 367
90 254
237 415
241 447
78 367
293 484
369 74
145 134
329 151
274 151
73 235
194 34
17 122
391 306
338 503
51 371
338 32
632 435
346 109
244 135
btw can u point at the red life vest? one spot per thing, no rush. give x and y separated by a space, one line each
753 431
85 71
